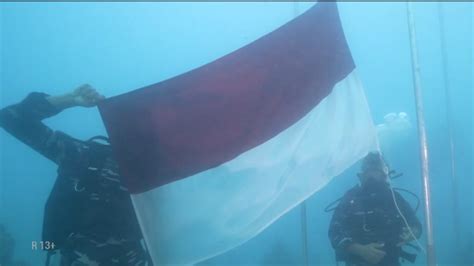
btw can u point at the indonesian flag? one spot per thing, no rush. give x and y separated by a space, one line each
215 155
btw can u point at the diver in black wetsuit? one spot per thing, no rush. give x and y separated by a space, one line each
89 215
366 228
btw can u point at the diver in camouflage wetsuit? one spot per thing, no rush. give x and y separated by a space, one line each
367 228
89 215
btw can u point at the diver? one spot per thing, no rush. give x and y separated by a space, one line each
89 218
372 222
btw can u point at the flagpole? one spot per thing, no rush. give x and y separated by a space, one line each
444 61
304 226
304 233
430 248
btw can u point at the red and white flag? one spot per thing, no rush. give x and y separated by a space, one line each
215 155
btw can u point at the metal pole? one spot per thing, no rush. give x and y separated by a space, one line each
430 248
444 62
304 233
304 226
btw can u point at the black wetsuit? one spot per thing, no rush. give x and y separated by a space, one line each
89 215
368 215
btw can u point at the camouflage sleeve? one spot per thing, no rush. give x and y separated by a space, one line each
339 232
23 121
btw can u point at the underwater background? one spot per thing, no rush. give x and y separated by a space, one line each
119 47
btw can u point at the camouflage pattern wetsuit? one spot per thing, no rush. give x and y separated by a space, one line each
89 215
368 215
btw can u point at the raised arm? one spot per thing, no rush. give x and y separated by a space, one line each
23 121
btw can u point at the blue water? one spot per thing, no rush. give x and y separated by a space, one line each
54 47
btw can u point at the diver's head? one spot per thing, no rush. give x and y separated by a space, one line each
373 169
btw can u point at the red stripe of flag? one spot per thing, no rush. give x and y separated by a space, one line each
210 115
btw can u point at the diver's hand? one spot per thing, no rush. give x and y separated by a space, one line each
371 253
86 96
